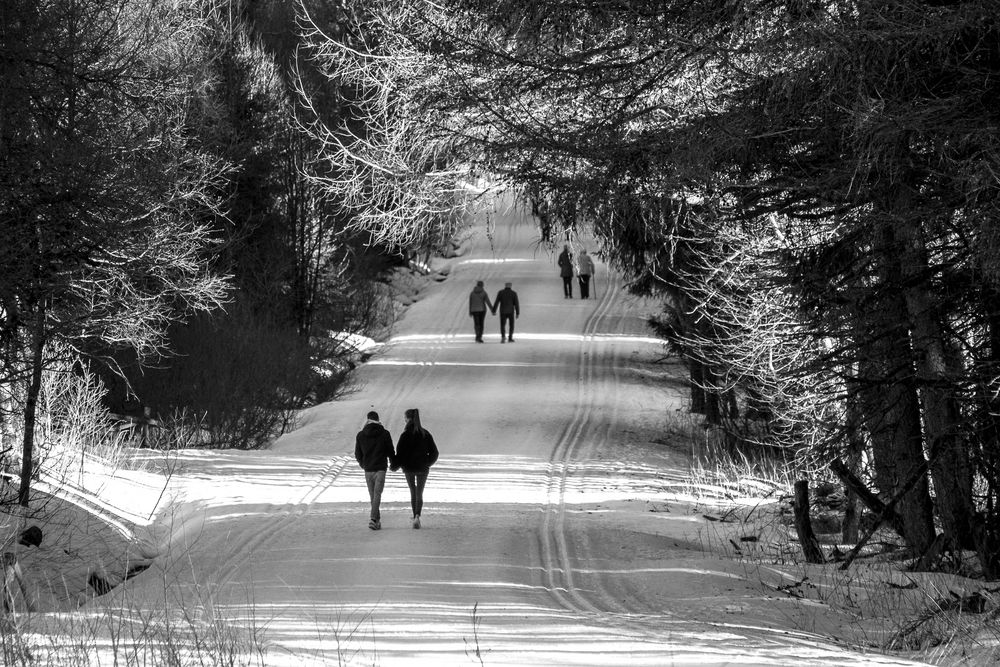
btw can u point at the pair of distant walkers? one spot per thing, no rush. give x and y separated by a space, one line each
584 270
506 302
415 453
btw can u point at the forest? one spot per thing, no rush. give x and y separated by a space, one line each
193 192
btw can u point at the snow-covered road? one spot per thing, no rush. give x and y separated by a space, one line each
551 534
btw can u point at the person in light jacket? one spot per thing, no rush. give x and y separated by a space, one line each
584 271
566 271
479 303
416 452
374 453
506 302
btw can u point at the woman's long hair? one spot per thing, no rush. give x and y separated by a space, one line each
414 416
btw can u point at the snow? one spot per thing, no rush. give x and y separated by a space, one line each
557 528
352 342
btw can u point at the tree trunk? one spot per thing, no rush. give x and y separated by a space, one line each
713 414
696 372
803 526
889 401
31 407
893 420
850 531
987 528
936 368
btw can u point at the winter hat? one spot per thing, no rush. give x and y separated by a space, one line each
373 416
507 284
479 283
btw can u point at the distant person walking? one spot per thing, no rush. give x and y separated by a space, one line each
584 271
566 271
510 310
416 452
479 303
373 450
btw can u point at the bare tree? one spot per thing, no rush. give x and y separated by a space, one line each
101 196
392 161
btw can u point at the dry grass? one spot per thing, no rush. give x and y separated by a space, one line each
944 619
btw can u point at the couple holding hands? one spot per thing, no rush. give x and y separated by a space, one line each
506 302
415 453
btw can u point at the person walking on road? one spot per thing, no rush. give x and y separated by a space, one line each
584 271
416 452
510 310
479 303
373 450
566 271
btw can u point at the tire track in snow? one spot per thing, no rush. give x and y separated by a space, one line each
555 557
579 440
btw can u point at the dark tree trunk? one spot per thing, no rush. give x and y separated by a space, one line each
696 372
889 401
987 527
935 369
850 531
803 525
31 407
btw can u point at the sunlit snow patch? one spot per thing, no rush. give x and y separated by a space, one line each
352 342
496 260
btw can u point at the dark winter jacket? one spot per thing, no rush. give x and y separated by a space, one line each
565 264
506 302
479 301
373 448
416 452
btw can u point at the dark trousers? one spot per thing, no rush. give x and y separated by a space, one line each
478 319
504 319
568 286
584 287
416 481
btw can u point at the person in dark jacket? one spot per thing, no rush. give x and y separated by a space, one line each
479 304
510 310
566 271
373 450
416 452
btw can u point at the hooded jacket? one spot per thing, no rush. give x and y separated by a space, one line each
416 452
479 300
373 448
565 264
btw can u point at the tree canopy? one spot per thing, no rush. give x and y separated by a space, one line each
810 186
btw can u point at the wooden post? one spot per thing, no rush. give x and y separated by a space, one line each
803 526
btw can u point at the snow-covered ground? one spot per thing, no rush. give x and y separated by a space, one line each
559 527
